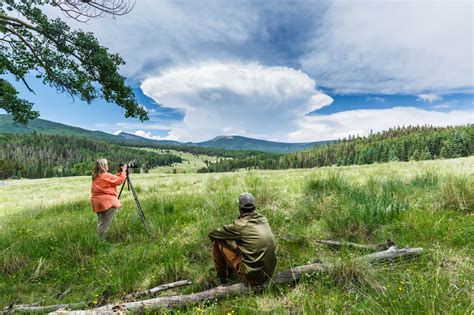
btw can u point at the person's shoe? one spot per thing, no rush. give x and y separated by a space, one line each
225 281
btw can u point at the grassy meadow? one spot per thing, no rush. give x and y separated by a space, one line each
48 241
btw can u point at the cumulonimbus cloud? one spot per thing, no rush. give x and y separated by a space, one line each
235 98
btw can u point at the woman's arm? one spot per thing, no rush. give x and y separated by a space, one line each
115 180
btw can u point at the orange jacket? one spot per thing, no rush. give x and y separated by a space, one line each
104 193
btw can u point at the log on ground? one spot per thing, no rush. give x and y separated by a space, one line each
292 275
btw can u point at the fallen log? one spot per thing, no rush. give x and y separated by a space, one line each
157 289
28 308
31 308
372 247
392 253
292 275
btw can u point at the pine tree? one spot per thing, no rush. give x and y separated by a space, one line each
425 154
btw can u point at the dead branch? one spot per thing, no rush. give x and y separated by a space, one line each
372 247
33 308
157 289
390 254
28 308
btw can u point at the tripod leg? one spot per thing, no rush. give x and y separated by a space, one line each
140 209
121 189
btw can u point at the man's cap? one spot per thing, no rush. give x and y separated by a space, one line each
246 201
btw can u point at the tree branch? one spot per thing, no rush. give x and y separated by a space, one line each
21 22
40 61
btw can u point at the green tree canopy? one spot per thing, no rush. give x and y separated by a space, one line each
71 61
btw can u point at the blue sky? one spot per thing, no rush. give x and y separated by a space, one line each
281 70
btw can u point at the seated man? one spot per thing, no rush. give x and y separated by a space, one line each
246 247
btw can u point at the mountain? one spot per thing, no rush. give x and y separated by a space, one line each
244 143
7 125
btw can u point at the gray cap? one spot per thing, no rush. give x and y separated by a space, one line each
246 201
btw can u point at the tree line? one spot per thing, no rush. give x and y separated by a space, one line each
39 156
396 144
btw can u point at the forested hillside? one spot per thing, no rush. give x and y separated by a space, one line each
37 156
398 144
220 146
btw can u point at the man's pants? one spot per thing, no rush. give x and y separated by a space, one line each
104 220
227 259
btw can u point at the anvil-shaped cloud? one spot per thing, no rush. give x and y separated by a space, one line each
235 98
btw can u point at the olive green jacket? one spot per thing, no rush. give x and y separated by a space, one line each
256 242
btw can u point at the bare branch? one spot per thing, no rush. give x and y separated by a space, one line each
84 10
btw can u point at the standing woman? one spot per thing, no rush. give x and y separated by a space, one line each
104 199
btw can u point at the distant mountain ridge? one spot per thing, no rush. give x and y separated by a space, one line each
231 142
235 142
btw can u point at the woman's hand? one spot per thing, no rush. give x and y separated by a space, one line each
124 167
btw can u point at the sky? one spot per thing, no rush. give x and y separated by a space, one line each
293 71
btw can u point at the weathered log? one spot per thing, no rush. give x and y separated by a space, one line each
31 308
28 308
292 275
392 253
372 247
157 289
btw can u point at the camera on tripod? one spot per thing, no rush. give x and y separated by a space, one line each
132 164
128 182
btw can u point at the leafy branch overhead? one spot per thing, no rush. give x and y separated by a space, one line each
71 61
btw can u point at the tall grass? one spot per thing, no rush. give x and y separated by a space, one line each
45 250
457 193
352 212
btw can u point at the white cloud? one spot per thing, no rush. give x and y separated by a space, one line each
393 47
117 132
429 98
148 135
157 33
349 46
343 124
442 106
259 101
133 126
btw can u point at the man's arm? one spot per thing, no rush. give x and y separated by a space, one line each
227 232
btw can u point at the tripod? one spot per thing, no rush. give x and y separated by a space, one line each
139 207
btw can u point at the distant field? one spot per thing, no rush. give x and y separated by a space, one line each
190 164
48 242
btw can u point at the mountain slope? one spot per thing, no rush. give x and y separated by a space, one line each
7 125
244 143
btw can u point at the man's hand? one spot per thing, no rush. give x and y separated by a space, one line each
124 167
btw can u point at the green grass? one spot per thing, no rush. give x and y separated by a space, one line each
48 242
191 162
